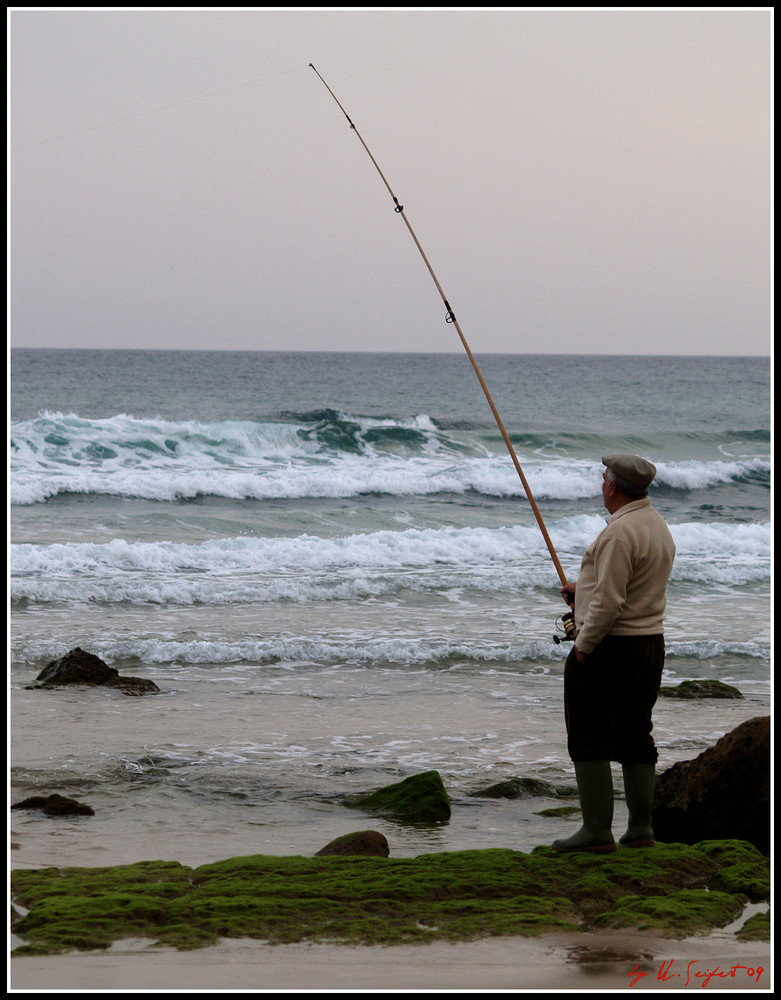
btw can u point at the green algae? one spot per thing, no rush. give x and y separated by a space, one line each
681 914
743 868
756 928
559 811
703 688
421 798
453 896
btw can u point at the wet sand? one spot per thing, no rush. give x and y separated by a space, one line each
136 830
65 744
604 962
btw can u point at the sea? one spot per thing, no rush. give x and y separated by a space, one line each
328 564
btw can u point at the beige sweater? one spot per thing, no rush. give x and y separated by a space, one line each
622 585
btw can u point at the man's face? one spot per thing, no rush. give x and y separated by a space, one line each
608 491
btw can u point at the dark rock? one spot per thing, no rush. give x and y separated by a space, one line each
722 794
79 667
701 689
421 798
516 788
55 805
366 843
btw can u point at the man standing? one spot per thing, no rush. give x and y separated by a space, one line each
612 674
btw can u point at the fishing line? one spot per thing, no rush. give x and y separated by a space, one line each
450 317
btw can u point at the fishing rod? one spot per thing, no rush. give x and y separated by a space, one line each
568 620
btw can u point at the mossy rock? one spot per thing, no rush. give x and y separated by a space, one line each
559 811
516 788
421 798
701 688
78 908
451 896
681 914
742 868
756 928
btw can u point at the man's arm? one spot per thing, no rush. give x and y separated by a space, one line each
612 570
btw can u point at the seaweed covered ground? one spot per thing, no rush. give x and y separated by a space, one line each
673 890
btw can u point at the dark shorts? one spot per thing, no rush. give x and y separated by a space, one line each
608 700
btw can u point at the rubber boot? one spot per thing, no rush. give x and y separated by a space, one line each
639 781
595 788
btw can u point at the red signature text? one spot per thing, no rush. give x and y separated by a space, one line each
693 972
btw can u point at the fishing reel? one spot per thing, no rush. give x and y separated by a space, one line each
566 624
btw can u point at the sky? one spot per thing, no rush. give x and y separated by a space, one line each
581 180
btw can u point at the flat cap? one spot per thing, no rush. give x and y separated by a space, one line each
631 468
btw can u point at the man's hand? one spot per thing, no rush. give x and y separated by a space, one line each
568 593
580 657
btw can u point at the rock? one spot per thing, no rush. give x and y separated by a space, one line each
672 890
79 667
421 798
722 794
701 689
366 843
55 805
557 811
516 788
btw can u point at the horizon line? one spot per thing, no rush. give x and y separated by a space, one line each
354 350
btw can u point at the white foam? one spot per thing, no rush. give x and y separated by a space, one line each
168 461
307 567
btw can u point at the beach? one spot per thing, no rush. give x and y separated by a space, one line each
554 964
327 565
206 770
155 822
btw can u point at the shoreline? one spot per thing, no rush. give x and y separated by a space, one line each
590 961
607 958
